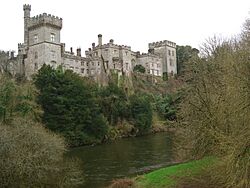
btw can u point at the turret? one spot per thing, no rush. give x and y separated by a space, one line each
99 39
26 9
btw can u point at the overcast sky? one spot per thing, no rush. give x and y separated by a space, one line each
129 22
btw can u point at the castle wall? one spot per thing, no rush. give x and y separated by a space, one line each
42 45
152 64
43 34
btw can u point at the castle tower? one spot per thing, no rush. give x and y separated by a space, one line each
42 37
26 9
167 51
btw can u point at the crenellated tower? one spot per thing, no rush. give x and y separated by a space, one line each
41 41
26 9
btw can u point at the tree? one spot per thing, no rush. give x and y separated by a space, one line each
166 106
215 111
141 113
184 53
69 105
139 68
114 103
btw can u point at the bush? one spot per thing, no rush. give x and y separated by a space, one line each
31 156
141 112
139 68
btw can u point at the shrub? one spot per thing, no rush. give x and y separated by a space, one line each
31 156
139 68
141 112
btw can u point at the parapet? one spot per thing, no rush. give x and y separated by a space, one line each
27 7
45 19
111 45
161 43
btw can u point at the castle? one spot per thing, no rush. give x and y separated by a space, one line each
42 45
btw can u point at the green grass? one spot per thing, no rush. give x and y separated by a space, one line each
170 176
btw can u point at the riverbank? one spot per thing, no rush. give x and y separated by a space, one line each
168 177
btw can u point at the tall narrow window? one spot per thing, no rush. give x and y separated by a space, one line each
52 37
35 38
36 66
36 55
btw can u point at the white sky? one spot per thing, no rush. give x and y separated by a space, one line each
129 22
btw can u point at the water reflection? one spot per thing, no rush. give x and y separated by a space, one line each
126 157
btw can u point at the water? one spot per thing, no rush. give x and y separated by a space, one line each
123 158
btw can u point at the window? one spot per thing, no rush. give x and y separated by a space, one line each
87 71
114 66
53 54
126 66
169 52
82 63
36 55
36 66
87 63
171 62
172 52
35 38
52 37
82 71
98 63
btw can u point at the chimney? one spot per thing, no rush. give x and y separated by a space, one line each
99 39
12 54
93 45
78 52
71 50
111 41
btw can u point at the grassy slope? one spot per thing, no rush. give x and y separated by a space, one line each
170 176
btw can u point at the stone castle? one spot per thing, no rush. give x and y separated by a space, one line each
42 45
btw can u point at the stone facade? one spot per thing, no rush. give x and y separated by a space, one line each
42 45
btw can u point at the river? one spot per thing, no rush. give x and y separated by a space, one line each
123 158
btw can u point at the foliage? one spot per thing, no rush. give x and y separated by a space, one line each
30 156
166 105
184 53
114 103
17 100
139 68
215 111
141 112
69 106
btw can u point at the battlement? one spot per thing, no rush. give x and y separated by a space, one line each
45 19
27 7
147 55
21 45
110 45
161 43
